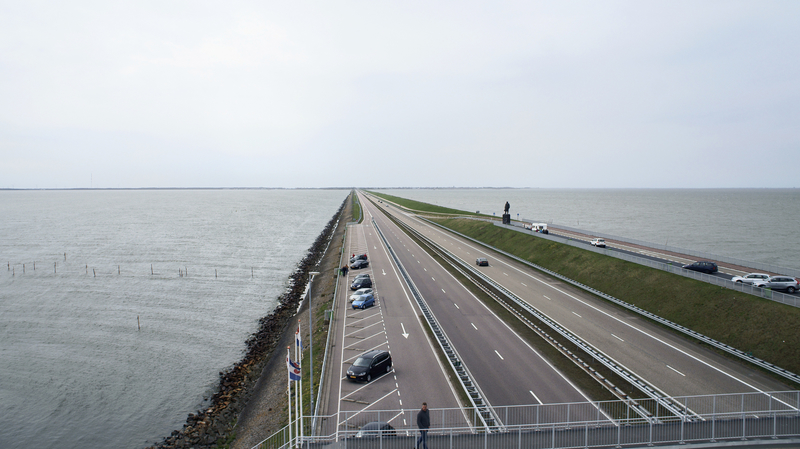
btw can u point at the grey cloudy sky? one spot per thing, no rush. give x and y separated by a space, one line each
412 93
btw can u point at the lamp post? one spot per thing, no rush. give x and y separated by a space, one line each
311 342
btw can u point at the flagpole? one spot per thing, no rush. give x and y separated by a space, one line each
289 393
300 386
297 399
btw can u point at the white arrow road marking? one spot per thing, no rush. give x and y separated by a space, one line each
384 272
405 334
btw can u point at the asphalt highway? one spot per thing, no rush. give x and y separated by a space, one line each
670 363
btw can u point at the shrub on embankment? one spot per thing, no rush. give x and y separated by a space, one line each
767 329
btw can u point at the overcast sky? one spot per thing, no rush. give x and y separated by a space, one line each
393 94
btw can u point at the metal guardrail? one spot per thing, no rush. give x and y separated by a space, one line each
708 340
725 418
664 400
701 254
790 300
485 414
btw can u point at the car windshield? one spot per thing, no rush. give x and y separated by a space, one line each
361 361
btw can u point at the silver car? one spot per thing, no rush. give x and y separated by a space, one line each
787 283
360 292
751 278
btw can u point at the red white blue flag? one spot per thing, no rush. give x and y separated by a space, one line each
294 369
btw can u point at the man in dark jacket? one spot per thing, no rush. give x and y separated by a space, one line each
423 422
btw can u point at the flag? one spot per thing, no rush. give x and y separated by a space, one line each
298 338
294 369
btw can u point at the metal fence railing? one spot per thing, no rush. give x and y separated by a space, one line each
791 300
708 419
772 268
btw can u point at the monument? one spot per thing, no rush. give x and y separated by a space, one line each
506 215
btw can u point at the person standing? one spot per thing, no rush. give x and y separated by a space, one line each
423 422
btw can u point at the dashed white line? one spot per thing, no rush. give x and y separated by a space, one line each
673 369
617 337
547 298
498 354
456 306
444 291
577 315
505 274
535 397
523 284
473 325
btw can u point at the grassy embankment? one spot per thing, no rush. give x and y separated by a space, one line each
767 329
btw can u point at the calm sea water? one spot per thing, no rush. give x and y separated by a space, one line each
760 225
76 371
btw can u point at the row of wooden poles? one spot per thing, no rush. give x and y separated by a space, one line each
181 271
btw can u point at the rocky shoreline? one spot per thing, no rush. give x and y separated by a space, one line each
214 426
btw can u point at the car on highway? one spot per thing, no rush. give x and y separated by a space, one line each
482 262
751 278
360 292
787 283
361 283
364 301
369 365
702 266
600 243
360 263
376 429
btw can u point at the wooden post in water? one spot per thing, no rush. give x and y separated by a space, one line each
94 272
65 257
54 266
138 323
151 269
23 268
251 272
117 269
215 273
87 268
34 266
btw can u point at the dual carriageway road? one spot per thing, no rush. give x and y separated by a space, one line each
508 370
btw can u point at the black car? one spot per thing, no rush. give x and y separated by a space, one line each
369 365
376 429
360 263
358 257
702 266
482 262
361 283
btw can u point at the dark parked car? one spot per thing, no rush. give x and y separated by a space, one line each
360 263
369 365
358 257
702 266
361 283
482 262
376 429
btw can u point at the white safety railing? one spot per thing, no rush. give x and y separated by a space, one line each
720 418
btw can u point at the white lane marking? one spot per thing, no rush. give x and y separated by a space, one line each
473 325
535 397
405 334
434 279
617 337
444 291
457 306
384 272
523 284
505 274
577 315
547 298
498 354
673 369
425 269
